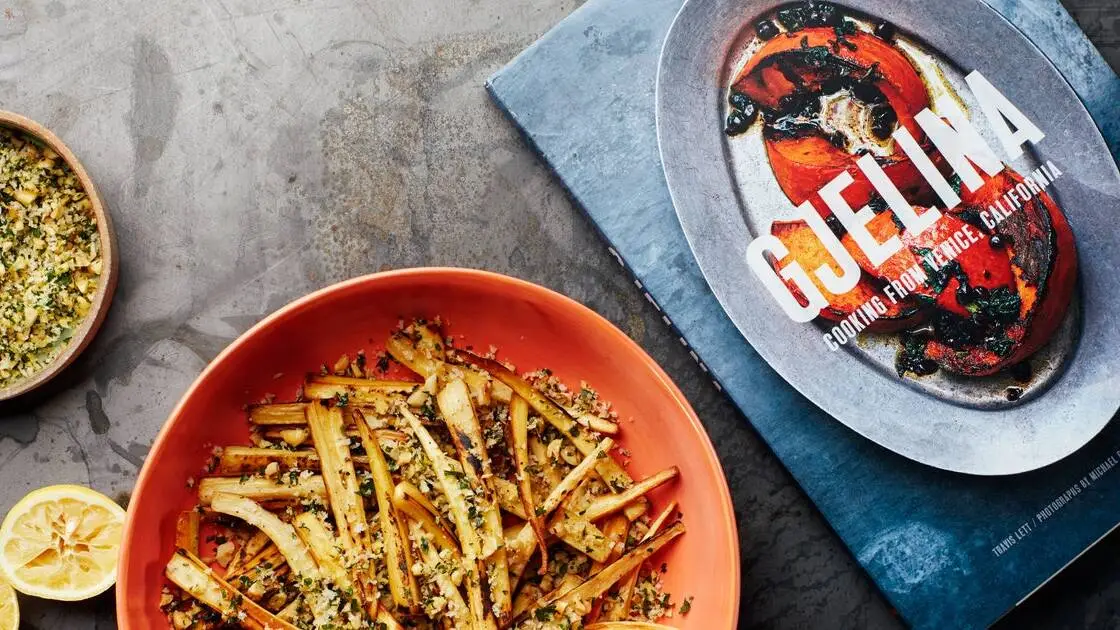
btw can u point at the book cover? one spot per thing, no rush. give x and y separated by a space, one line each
905 446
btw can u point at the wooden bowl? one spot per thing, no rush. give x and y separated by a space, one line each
107 283
529 325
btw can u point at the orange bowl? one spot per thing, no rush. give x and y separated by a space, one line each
531 326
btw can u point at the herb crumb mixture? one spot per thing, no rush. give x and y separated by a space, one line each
50 256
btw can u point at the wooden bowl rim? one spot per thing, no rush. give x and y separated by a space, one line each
108 280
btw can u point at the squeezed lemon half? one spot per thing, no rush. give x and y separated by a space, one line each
61 542
9 607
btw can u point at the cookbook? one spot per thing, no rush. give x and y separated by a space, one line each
885 230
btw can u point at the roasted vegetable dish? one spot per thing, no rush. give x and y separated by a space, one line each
827 89
468 496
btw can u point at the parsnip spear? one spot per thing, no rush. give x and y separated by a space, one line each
621 609
466 433
610 470
579 599
282 534
519 444
341 481
394 539
190 574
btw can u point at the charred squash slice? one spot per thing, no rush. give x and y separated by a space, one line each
1008 323
883 228
805 59
979 265
806 249
803 165
793 70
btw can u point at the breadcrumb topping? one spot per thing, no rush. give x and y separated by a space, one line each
50 256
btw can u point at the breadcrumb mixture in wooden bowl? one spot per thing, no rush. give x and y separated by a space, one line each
57 256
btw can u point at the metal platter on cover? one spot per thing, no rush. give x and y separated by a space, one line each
908 213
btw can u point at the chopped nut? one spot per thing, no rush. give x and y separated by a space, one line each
417 398
553 449
224 553
570 455
181 620
293 437
26 197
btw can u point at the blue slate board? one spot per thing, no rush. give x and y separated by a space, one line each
583 96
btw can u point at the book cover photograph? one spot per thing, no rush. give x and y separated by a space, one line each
886 231
900 221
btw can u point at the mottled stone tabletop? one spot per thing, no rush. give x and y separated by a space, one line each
251 151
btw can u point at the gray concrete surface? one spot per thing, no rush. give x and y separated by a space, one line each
253 150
